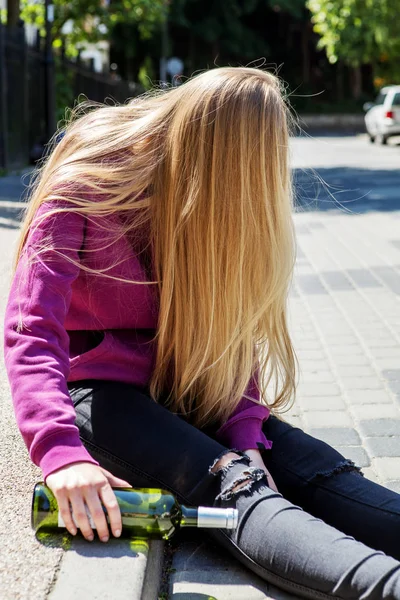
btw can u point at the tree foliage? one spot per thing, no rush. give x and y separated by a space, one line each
357 31
88 21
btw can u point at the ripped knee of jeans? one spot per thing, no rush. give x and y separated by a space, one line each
241 458
234 478
343 466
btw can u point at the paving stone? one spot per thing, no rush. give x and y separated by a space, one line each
317 376
355 453
232 584
316 225
337 436
391 352
313 366
337 280
362 383
351 360
328 419
199 552
345 350
354 371
296 421
368 397
394 387
363 278
388 363
319 389
375 411
311 355
342 340
370 474
380 427
333 329
310 284
389 276
311 345
383 446
387 342
327 403
391 374
115 570
393 485
387 468
377 331
302 229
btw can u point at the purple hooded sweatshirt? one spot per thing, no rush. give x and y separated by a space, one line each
58 303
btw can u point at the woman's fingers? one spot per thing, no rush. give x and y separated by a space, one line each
64 509
85 486
114 512
80 514
97 513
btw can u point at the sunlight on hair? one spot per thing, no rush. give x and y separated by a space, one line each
203 170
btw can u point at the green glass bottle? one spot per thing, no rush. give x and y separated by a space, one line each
145 512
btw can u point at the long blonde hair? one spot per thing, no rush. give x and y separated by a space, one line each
204 166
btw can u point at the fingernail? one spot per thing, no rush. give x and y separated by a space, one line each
90 538
104 538
117 532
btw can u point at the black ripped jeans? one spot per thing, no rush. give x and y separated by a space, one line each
301 539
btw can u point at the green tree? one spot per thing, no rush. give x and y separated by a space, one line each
93 20
358 31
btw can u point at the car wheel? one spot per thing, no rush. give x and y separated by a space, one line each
371 138
381 139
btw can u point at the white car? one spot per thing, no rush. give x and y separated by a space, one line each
382 118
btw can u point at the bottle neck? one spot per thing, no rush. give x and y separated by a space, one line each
208 516
189 516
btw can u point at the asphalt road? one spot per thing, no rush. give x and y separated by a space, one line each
350 174
337 175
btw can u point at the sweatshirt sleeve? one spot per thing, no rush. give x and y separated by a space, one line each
243 429
36 344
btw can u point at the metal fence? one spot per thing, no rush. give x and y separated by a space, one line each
22 95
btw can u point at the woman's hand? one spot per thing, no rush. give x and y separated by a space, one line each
257 461
83 483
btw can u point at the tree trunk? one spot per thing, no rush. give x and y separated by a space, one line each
339 82
12 13
305 38
356 82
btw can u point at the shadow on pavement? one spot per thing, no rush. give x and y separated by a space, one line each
346 189
13 196
10 214
115 547
192 596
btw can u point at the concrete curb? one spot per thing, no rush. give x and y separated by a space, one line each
117 570
340 123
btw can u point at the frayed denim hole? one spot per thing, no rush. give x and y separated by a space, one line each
251 475
242 458
343 466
